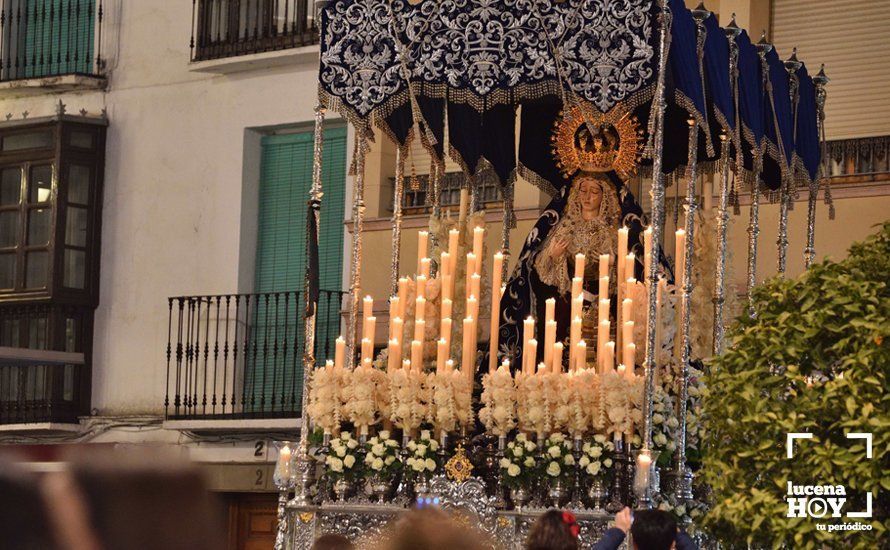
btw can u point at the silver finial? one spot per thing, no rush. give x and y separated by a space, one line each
792 64
762 45
700 12
732 30
821 79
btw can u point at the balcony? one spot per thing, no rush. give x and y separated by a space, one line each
240 356
230 28
50 45
860 160
44 368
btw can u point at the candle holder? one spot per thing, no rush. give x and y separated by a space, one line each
499 500
403 491
616 502
577 491
645 480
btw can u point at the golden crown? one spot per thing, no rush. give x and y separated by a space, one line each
587 140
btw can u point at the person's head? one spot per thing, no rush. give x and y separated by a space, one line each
653 530
554 530
332 541
432 529
590 193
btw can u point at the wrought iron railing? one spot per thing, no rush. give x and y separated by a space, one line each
860 159
40 38
227 28
44 367
241 355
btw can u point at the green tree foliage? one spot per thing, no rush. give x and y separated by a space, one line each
814 359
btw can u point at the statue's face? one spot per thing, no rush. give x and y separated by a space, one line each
590 194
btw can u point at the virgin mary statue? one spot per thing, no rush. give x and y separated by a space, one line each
584 218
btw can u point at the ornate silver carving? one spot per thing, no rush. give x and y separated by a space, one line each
397 199
468 497
657 193
722 230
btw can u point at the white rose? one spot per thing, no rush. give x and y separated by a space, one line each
680 510
378 449
341 452
352 444
345 436
607 463
593 468
349 461
596 452
599 438
553 469
517 452
568 460
430 464
584 461
389 460
425 434
412 445
434 445
521 437
505 462
384 434
392 443
335 464
585 447
529 462
530 446
377 464
554 451
421 450
417 466
557 438
513 470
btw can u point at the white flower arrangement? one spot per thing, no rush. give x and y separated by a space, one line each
597 457
361 404
407 406
422 455
664 423
382 455
341 461
444 409
558 396
324 399
498 412
617 402
532 410
559 462
519 465
586 399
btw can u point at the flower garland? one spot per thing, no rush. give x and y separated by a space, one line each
361 399
498 413
444 409
532 410
408 409
324 399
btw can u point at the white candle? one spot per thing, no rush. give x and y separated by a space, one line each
680 256
602 337
549 340
542 369
339 352
628 332
641 475
444 264
610 356
468 351
621 370
532 355
453 236
464 198
449 365
282 468
476 284
604 265
406 364
604 287
557 358
495 311
627 310
471 268
403 296
603 310
425 267
366 347
579 265
622 252
416 355
478 235
420 287
446 308
528 329
574 338
422 244
368 303
581 356
397 328
446 330
441 354
395 355
393 313
647 257
420 330
630 354
473 307
577 286
630 262
447 286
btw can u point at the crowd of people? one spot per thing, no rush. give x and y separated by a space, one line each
434 529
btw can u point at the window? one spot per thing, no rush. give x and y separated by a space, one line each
226 28
48 38
285 180
416 197
48 211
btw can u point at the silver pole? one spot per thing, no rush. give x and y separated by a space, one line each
397 200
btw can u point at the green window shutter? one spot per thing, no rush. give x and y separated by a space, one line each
58 37
274 380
